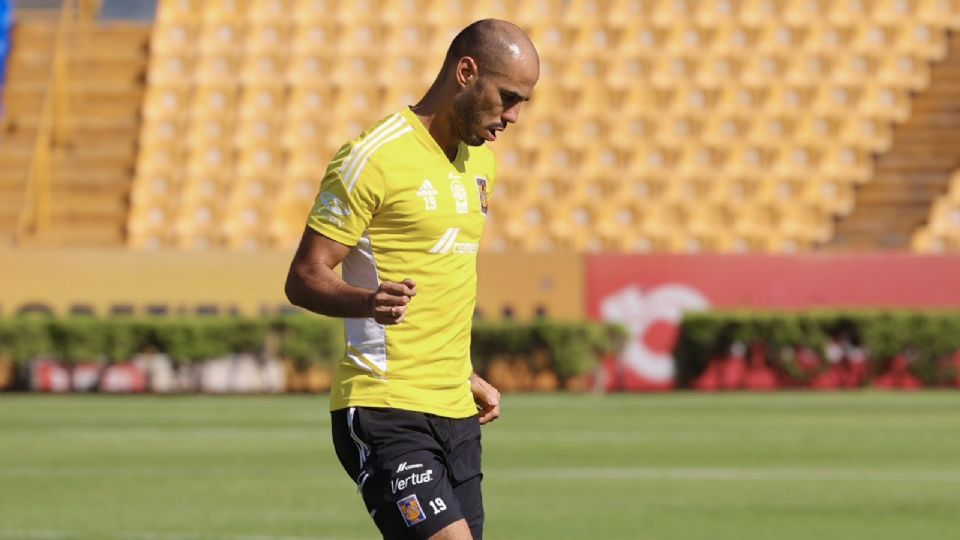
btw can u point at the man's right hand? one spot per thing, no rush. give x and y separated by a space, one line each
389 302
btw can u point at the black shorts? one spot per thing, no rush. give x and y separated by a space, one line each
417 472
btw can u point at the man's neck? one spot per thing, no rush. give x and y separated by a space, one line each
438 125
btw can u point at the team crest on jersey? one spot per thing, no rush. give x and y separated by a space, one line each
482 188
410 509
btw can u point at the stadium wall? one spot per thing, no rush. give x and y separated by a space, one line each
102 282
650 294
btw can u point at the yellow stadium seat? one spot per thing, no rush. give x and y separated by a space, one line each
210 160
165 103
313 39
671 71
303 132
850 12
673 12
195 227
797 161
760 12
830 193
827 39
715 13
177 11
213 102
945 13
216 71
262 102
263 70
745 101
310 71
868 134
781 38
170 71
885 103
809 68
226 11
791 99
268 40
348 71
805 12
736 40
926 41
221 39
265 160
313 11
925 241
904 71
160 148
359 38
272 11
175 39
149 226
874 37
246 215
717 71
252 132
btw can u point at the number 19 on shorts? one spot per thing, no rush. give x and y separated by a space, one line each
437 505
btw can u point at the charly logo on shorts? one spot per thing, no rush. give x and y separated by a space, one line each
410 509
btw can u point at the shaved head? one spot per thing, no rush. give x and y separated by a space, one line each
493 44
488 74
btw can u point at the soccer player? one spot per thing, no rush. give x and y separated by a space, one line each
402 208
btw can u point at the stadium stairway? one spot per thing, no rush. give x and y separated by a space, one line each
92 167
917 168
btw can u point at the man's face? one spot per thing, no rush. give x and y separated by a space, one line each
493 100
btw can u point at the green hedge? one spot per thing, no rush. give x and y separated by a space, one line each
573 348
926 338
306 339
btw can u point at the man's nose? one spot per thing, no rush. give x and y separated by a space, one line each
511 115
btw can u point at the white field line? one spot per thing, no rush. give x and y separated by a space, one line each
36 534
719 474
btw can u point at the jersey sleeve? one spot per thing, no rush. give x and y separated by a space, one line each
344 206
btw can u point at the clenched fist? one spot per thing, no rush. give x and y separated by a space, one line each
389 302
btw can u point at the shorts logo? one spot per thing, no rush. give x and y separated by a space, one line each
482 188
404 467
400 484
410 509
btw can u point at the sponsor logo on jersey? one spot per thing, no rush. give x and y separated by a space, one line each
410 510
332 208
414 479
482 188
448 243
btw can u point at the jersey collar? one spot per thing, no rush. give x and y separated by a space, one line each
427 140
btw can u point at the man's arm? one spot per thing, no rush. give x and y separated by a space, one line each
313 285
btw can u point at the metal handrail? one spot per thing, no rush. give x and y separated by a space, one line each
53 130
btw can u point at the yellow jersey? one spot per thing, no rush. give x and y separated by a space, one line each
408 212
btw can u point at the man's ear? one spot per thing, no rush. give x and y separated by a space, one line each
467 71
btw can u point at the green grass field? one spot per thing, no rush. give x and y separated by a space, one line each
684 466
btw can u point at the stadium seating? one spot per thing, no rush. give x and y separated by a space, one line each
666 125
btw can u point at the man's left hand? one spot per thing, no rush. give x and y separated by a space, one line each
487 398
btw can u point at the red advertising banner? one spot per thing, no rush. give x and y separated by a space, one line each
649 294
